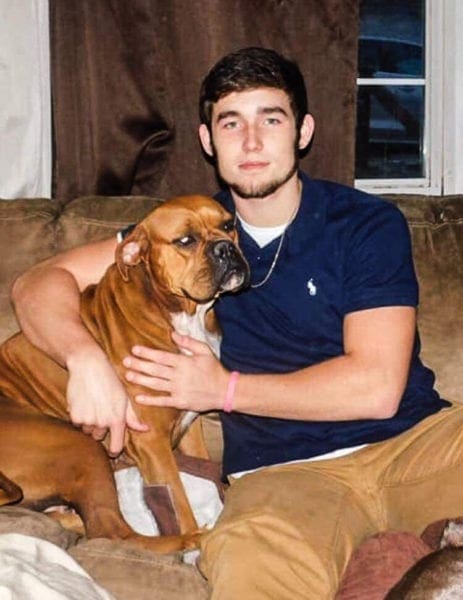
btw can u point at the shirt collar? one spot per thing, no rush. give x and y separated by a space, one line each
310 218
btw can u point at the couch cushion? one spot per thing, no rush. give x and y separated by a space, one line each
436 226
125 571
15 519
34 229
94 218
129 573
26 237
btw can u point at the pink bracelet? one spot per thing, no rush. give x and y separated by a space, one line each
228 402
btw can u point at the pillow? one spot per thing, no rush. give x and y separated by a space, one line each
129 572
15 519
379 563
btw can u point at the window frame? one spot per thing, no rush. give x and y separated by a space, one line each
432 182
452 180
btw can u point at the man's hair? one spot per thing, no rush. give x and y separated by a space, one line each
251 68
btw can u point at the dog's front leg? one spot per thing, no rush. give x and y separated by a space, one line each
163 489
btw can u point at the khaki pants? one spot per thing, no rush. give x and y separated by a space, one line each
288 532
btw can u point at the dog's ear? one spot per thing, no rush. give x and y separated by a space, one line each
452 534
132 251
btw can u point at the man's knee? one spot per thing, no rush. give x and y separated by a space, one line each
265 555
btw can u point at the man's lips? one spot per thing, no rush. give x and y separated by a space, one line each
253 165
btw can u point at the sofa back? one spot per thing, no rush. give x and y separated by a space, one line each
436 225
34 229
31 230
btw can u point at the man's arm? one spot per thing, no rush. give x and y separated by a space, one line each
47 297
46 300
366 382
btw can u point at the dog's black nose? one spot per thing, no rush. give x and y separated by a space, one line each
230 269
224 251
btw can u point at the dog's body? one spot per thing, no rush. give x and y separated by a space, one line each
437 576
166 275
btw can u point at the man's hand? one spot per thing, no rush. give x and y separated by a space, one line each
97 400
192 381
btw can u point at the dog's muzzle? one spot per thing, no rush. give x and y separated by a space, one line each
231 271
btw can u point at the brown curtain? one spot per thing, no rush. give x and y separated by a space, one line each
126 76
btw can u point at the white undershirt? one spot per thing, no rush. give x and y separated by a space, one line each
327 456
262 235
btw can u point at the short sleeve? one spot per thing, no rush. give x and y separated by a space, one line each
378 263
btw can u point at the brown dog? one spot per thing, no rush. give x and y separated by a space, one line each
437 576
167 273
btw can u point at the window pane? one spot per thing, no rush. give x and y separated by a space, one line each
391 40
389 139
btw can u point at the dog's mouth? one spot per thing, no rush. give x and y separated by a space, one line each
233 280
230 268
229 271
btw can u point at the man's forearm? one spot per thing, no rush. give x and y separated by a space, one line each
367 382
52 321
47 302
335 390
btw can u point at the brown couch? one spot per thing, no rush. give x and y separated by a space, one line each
31 230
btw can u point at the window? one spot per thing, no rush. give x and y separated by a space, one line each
399 96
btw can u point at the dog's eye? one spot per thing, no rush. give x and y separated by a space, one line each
185 241
229 226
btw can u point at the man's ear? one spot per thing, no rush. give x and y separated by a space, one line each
205 138
306 131
133 250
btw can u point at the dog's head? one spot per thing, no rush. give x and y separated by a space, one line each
188 246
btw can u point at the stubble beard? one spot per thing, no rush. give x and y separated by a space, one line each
261 190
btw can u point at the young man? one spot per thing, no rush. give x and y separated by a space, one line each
332 428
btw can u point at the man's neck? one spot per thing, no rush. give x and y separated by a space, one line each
273 210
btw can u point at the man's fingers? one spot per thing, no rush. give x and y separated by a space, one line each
168 359
117 431
148 367
157 401
99 433
153 383
116 440
186 342
133 422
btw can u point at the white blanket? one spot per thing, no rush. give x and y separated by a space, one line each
202 494
34 569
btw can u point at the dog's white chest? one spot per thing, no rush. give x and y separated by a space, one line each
194 326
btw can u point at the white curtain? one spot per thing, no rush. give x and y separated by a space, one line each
25 115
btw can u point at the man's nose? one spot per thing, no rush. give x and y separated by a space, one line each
252 139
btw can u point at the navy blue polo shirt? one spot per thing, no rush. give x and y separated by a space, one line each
345 251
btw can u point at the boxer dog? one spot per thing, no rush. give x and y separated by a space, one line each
438 575
167 274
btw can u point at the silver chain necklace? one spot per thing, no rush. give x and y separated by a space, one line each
278 250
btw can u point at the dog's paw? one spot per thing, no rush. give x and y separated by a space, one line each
191 540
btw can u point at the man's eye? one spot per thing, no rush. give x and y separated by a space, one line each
185 241
272 121
229 226
230 125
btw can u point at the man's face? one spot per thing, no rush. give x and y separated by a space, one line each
254 140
